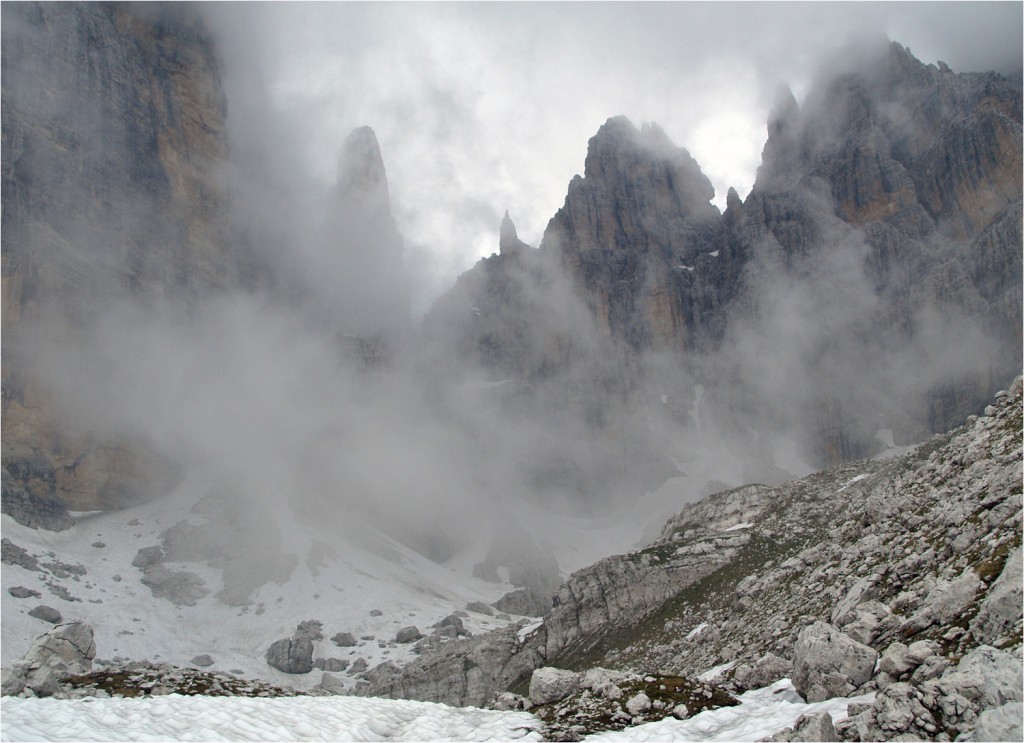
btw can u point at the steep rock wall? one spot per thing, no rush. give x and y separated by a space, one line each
113 133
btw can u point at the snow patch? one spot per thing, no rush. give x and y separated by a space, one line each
737 527
527 630
697 630
712 673
851 481
760 714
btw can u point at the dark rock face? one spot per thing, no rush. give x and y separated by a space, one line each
113 129
31 508
291 655
921 168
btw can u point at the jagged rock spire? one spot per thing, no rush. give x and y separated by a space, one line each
364 245
361 171
508 240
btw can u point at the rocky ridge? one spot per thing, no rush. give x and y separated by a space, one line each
905 569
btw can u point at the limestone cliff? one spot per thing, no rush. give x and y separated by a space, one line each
871 280
898 176
113 131
630 226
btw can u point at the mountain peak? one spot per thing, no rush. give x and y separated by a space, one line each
508 239
361 167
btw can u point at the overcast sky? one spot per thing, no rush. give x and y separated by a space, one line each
483 107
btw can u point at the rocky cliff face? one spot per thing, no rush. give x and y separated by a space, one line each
869 281
629 226
908 171
113 131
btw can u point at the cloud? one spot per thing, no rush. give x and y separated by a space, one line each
491 104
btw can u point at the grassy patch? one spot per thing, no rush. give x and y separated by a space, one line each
592 711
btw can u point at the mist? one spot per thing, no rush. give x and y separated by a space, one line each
313 387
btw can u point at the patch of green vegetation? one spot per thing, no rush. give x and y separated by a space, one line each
588 712
991 567
185 681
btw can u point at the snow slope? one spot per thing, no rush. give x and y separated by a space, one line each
761 713
337 579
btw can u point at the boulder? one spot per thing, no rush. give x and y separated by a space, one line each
999 723
358 666
506 701
408 634
335 664
898 709
344 640
452 621
311 628
552 684
1000 614
768 669
46 613
987 677
291 655
203 661
947 601
638 704
827 663
330 684
817 727
20 592
865 622
602 682
480 608
67 649
900 661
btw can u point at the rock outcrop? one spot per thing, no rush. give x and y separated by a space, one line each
65 650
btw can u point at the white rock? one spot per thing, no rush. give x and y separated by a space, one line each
1001 609
551 684
638 704
827 663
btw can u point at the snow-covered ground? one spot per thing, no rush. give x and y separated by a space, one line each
337 579
761 713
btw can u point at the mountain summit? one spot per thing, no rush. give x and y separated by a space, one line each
371 290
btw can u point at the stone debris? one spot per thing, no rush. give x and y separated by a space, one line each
46 613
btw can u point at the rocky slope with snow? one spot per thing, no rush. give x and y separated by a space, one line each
189 581
912 561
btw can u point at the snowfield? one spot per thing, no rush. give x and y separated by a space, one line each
338 579
761 713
